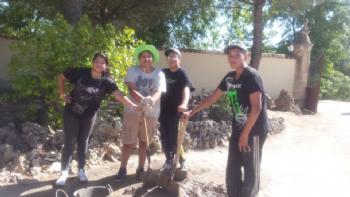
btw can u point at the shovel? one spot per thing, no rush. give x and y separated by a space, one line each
166 178
148 151
180 137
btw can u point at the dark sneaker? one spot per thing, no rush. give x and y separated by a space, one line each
138 173
121 176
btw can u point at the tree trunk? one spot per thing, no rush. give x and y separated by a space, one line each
72 10
257 33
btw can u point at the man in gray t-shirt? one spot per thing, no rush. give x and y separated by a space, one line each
146 85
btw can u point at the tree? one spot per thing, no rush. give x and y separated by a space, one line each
72 10
248 11
329 24
155 21
257 33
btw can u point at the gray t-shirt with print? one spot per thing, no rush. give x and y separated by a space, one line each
147 84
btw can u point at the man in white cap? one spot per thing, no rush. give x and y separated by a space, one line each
244 89
173 102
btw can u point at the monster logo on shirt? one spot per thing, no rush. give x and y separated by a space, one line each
240 114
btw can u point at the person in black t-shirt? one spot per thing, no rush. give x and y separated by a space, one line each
246 95
81 104
173 102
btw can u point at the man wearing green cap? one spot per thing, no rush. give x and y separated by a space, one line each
146 85
244 89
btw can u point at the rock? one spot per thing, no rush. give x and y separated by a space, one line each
206 134
20 164
112 152
8 134
107 128
195 100
33 154
8 154
35 171
34 135
36 162
270 102
52 156
17 177
95 156
58 138
197 189
284 102
155 145
277 125
296 110
54 167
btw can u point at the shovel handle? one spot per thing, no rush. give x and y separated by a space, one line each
148 152
180 137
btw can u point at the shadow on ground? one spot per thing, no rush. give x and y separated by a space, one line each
48 188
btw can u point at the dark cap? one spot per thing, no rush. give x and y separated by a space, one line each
170 50
236 45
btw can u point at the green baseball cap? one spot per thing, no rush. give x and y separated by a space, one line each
145 47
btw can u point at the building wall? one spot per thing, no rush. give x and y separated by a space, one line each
206 69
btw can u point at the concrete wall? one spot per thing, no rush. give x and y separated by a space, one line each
206 69
5 57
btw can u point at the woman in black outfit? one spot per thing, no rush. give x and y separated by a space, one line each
81 104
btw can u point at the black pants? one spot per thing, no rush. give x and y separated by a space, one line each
246 183
168 133
76 128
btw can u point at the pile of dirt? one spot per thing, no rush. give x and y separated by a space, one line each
277 125
285 102
187 188
192 188
206 134
29 149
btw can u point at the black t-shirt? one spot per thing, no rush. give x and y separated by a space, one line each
87 93
175 83
238 91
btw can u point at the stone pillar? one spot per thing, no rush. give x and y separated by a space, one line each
301 52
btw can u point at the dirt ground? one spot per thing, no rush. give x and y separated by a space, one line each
311 157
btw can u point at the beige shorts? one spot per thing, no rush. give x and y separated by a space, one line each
134 129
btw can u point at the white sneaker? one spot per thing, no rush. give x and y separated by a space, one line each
62 179
183 165
82 175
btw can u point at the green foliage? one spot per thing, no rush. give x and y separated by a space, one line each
44 49
17 14
336 85
162 23
329 24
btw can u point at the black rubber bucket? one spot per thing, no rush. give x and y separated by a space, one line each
93 191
